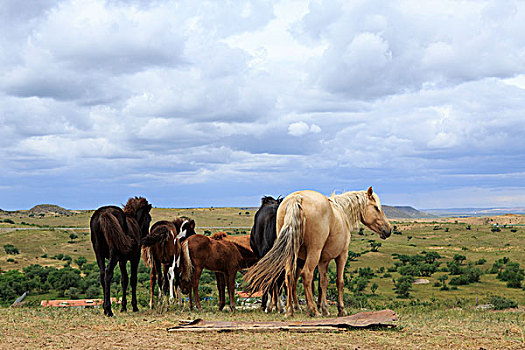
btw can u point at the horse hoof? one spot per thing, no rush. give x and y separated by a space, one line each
123 309
108 313
135 309
341 313
313 313
326 313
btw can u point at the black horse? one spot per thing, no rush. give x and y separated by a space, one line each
116 235
263 236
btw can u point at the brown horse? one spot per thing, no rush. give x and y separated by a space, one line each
159 249
316 229
224 255
116 235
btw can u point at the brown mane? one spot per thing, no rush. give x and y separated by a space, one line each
219 236
134 204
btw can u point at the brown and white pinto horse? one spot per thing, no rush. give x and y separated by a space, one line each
159 248
317 229
222 254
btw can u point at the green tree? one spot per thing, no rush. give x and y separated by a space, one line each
64 279
374 287
80 261
403 285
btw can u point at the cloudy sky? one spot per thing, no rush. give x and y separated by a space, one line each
214 103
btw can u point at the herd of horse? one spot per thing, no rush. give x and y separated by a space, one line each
290 237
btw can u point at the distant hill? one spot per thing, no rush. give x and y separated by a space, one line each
475 211
405 212
48 209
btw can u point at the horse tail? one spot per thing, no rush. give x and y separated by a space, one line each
114 234
146 256
159 234
186 265
283 255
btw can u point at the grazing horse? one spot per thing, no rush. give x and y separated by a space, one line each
316 229
225 256
116 235
159 249
262 238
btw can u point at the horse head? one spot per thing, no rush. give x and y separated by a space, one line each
139 208
373 216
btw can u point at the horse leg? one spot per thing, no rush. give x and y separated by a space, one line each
165 280
152 281
196 277
307 274
294 292
133 280
108 277
171 278
124 284
230 277
158 269
340 262
221 286
290 280
264 301
323 284
102 276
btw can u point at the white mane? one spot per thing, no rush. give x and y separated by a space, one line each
353 204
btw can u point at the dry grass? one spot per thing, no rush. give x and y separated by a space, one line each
32 328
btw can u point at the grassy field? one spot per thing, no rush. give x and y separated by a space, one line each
430 318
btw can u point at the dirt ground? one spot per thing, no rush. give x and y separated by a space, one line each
34 328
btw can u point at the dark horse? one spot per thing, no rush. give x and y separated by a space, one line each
262 238
159 249
116 235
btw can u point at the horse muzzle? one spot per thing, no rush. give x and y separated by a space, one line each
385 233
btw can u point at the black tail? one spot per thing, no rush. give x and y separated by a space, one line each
114 234
159 234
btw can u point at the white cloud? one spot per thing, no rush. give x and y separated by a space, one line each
232 100
301 128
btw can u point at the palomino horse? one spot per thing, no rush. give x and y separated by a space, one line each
316 229
159 249
116 235
224 256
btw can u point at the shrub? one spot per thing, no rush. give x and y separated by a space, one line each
11 249
512 274
403 285
374 287
481 261
9 221
501 303
366 272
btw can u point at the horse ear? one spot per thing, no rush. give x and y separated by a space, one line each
370 192
192 224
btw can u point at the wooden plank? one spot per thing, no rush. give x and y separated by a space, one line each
360 320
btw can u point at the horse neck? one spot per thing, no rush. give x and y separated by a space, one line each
353 205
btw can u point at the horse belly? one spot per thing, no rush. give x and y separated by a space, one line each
335 245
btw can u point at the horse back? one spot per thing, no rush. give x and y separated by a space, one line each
96 227
214 255
263 235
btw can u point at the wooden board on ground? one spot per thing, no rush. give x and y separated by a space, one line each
360 320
